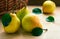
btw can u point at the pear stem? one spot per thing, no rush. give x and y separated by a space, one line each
45 29
13 9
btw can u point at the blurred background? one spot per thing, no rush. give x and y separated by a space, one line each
40 2
7 5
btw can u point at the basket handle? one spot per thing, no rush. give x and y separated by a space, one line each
23 2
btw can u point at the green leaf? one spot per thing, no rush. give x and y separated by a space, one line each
37 11
50 19
6 19
37 31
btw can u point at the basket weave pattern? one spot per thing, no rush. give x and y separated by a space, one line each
7 5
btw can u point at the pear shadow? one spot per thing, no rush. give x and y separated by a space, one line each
48 13
25 33
29 35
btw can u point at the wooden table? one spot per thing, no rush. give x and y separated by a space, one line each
53 28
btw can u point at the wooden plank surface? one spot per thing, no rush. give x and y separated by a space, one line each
52 33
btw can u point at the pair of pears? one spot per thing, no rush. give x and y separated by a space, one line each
12 22
30 22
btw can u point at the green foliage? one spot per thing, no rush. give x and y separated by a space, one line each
6 19
37 11
37 31
50 19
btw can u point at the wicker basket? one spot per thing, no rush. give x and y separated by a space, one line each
8 5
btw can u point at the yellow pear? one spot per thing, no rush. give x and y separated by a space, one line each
48 7
11 23
30 21
22 12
